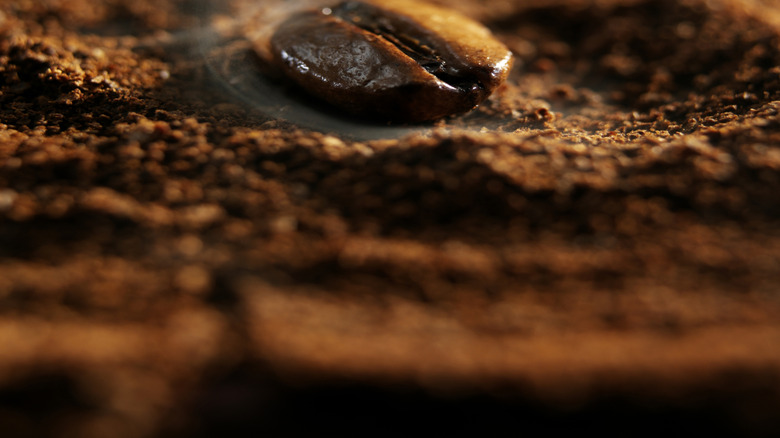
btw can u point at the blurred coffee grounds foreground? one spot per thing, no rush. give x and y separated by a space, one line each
596 248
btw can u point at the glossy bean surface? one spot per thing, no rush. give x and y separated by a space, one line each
400 61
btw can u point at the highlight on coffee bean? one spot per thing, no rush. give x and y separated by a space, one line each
396 61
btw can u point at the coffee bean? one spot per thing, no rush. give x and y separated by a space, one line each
397 60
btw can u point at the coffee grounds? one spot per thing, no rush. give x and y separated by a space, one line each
595 248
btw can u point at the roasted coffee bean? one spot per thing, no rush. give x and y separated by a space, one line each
396 60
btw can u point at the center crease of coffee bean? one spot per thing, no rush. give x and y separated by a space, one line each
420 51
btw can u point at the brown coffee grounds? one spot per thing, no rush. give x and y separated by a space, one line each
594 249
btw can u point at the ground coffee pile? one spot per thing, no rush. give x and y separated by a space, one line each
595 248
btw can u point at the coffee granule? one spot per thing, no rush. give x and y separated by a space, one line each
594 248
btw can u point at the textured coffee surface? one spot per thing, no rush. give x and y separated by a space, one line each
603 256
